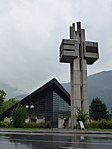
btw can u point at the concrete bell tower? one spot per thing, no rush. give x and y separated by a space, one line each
78 53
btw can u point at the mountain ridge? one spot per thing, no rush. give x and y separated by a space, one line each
11 92
99 85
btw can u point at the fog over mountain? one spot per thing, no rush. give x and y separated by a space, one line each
99 85
11 92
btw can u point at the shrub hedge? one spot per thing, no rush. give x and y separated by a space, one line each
4 124
37 125
102 124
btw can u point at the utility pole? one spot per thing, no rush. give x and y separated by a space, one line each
78 53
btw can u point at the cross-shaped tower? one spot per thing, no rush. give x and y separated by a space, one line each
78 53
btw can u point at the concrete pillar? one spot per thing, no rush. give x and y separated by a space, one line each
78 53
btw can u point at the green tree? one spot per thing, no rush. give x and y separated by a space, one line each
98 110
8 104
2 97
19 116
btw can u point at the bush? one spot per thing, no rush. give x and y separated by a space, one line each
102 124
19 116
44 125
81 116
4 124
37 125
93 124
30 125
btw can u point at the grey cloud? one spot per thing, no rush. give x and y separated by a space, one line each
31 31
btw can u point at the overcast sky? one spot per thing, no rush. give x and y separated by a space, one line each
31 32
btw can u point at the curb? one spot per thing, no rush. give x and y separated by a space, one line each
56 131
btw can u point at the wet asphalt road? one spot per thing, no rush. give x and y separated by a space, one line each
55 141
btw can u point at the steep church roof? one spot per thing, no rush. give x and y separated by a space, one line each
52 84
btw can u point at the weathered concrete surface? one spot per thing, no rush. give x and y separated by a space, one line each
78 53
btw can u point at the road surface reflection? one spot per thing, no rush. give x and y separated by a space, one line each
54 141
